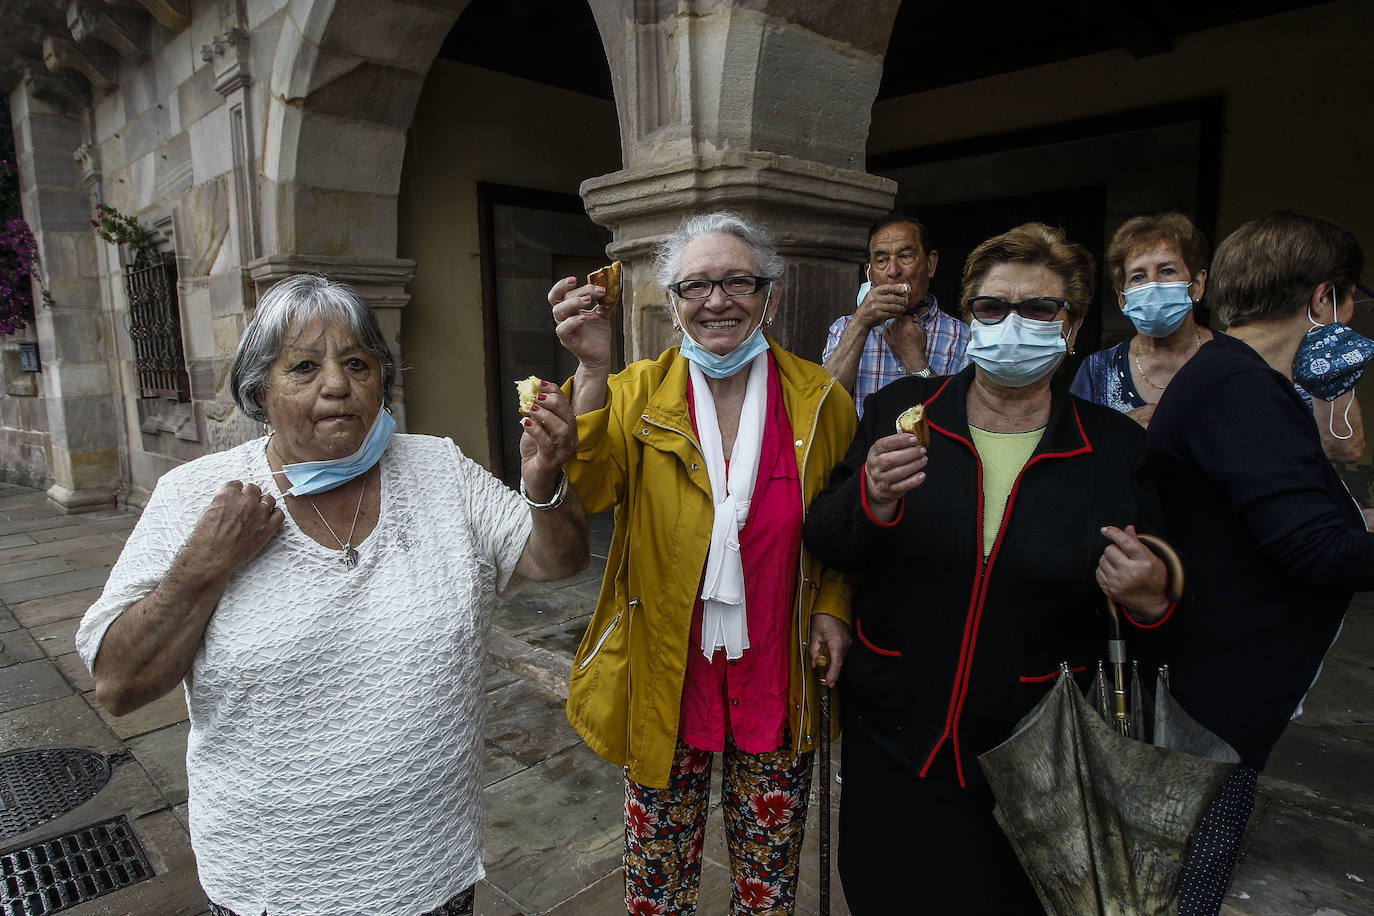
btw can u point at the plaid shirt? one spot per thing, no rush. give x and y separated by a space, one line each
946 346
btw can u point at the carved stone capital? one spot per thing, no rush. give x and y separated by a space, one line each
121 30
87 155
97 64
381 282
228 54
170 14
55 88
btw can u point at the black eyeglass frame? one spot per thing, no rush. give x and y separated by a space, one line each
759 283
1060 303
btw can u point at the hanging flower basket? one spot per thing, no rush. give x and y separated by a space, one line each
18 264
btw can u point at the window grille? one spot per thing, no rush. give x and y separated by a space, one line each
154 322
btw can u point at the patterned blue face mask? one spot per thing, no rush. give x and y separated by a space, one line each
1331 360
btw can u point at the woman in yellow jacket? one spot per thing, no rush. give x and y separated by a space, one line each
712 615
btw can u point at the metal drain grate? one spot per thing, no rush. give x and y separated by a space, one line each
55 874
36 786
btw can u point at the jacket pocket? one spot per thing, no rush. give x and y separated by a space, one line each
859 630
606 633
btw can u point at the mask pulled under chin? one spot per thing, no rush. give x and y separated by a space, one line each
1017 351
717 366
309 477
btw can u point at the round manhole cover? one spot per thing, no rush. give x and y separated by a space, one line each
37 786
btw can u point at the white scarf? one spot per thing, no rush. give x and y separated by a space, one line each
723 622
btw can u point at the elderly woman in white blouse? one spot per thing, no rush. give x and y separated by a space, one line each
324 593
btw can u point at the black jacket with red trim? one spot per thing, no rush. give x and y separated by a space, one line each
951 651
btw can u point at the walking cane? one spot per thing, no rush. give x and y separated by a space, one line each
823 766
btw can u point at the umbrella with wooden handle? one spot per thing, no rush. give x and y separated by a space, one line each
823 774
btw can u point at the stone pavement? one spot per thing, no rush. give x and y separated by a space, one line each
553 807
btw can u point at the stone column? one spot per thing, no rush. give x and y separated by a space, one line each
75 333
758 106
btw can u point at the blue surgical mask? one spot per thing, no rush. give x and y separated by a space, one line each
309 477
1016 351
1330 360
725 366
1157 309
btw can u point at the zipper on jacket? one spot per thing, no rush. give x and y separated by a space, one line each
605 634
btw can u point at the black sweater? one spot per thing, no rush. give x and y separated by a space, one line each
951 651
1271 540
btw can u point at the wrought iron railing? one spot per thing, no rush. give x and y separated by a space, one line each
154 323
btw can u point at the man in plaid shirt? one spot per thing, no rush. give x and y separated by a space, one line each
897 329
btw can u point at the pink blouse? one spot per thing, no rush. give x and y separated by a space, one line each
747 697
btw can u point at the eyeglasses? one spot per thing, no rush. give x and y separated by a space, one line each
905 258
732 286
991 310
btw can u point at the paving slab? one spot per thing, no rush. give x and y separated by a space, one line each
18 646
534 609
163 755
29 526
28 569
74 670
102 557
66 722
29 683
58 638
1324 771
527 723
554 828
1300 863
39 611
562 638
7 622
14 541
84 527
13 593
160 713
64 548
605 896
487 901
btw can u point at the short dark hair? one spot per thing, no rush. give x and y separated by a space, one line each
1036 243
1269 267
1143 231
897 218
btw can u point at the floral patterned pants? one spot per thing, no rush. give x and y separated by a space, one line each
764 800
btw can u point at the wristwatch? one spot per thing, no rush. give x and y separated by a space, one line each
923 373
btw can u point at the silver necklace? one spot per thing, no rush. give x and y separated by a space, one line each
350 554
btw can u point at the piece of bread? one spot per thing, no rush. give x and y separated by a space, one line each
913 420
609 277
528 389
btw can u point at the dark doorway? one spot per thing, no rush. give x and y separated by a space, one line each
529 239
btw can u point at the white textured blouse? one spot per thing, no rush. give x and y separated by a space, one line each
334 757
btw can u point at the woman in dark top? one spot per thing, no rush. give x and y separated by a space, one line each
974 586
1273 543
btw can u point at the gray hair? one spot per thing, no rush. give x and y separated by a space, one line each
295 302
668 254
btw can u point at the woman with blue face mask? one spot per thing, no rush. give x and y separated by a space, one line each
712 616
980 560
1158 264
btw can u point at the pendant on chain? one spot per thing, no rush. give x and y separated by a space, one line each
350 557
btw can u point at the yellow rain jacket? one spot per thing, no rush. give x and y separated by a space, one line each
639 455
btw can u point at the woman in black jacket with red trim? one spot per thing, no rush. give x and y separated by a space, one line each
973 585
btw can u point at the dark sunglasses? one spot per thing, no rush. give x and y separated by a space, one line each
991 310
